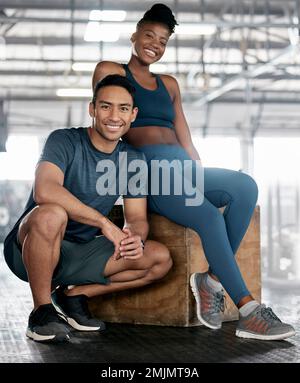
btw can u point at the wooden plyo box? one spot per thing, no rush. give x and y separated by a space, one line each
170 302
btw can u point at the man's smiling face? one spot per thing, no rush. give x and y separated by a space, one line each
113 112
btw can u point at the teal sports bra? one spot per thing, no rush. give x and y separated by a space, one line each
155 106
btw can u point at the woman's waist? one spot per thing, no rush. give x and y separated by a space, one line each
151 135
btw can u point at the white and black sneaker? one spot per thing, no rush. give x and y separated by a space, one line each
74 310
45 325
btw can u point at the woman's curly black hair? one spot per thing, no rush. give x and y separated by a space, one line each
159 13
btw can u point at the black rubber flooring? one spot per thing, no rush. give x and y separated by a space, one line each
122 343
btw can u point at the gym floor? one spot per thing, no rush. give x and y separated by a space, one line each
124 343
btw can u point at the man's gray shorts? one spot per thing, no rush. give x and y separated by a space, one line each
79 263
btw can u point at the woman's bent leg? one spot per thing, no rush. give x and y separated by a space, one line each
209 223
238 192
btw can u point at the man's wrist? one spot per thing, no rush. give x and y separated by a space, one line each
102 221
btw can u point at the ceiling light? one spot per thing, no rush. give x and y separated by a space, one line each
97 15
74 92
84 67
111 31
101 32
196 29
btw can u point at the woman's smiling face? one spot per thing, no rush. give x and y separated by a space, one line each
149 41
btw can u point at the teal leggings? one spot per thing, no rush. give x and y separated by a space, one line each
221 234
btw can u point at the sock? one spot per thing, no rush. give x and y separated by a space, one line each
248 308
70 287
65 289
213 284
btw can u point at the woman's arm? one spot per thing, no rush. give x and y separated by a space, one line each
181 127
104 68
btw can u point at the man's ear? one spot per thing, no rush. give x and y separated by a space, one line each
134 113
91 110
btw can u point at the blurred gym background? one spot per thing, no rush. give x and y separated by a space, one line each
238 65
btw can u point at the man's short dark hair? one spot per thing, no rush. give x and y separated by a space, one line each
114 80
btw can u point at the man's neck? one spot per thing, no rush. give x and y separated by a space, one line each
100 143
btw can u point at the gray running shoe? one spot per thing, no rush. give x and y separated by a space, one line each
210 303
75 311
263 324
45 325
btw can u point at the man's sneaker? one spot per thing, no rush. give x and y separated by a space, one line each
45 325
210 303
263 324
75 311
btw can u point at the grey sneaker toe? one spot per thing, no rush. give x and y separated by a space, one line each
263 324
210 304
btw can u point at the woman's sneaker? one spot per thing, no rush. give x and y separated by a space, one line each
263 324
75 311
210 303
45 325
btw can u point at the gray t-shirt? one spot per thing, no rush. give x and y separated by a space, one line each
97 179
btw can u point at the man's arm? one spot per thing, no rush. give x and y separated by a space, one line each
135 215
136 227
48 188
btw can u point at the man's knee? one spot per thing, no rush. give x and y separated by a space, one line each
48 219
161 260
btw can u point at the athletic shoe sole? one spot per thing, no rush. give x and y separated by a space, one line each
72 322
195 291
250 335
56 338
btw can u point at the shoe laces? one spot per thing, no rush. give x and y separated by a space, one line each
219 301
268 314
